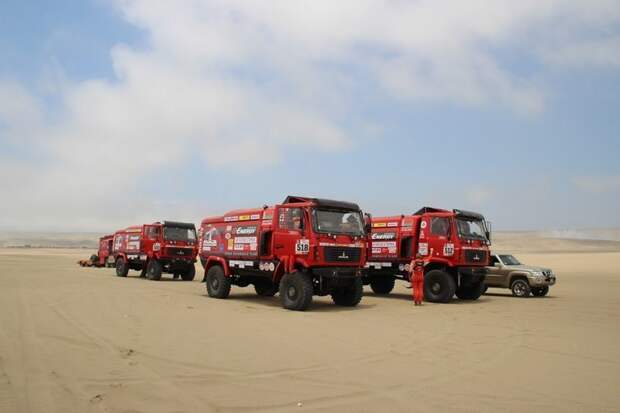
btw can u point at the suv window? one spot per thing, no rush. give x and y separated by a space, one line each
440 226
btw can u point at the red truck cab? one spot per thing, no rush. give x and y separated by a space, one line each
454 246
300 248
153 249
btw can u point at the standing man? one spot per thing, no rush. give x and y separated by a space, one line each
417 279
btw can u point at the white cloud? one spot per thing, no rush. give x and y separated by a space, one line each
597 184
243 81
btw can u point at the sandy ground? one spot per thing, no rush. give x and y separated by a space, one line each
80 339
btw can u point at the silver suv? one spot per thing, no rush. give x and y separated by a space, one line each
507 272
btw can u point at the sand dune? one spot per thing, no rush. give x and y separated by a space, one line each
80 339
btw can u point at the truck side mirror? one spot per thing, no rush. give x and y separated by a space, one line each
367 223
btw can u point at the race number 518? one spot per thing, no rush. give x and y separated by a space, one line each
302 246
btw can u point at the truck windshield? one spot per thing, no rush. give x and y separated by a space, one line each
179 234
470 228
509 260
333 221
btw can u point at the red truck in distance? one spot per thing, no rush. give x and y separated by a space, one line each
453 244
300 248
153 249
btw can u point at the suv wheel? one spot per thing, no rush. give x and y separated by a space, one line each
296 291
540 291
218 284
520 288
439 286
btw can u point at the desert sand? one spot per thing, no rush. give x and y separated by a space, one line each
81 339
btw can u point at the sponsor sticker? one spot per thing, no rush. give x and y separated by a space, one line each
231 219
245 230
244 217
383 235
392 224
423 248
423 224
379 225
448 249
302 246
227 235
245 240
255 216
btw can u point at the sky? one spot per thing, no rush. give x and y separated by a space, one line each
121 112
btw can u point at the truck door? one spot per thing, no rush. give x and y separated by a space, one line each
439 244
150 236
287 237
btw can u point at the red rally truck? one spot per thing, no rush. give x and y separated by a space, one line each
453 244
168 247
300 248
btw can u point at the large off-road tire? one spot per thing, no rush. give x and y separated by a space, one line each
540 291
218 284
382 285
153 270
265 288
189 274
349 296
122 268
439 286
520 288
471 291
296 291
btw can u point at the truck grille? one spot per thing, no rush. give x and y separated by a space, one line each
178 252
342 254
476 256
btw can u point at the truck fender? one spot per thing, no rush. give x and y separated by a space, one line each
286 265
433 262
120 255
211 261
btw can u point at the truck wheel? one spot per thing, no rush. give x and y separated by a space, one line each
265 288
189 274
296 291
540 291
439 286
218 284
350 296
471 292
153 270
121 267
520 288
382 285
